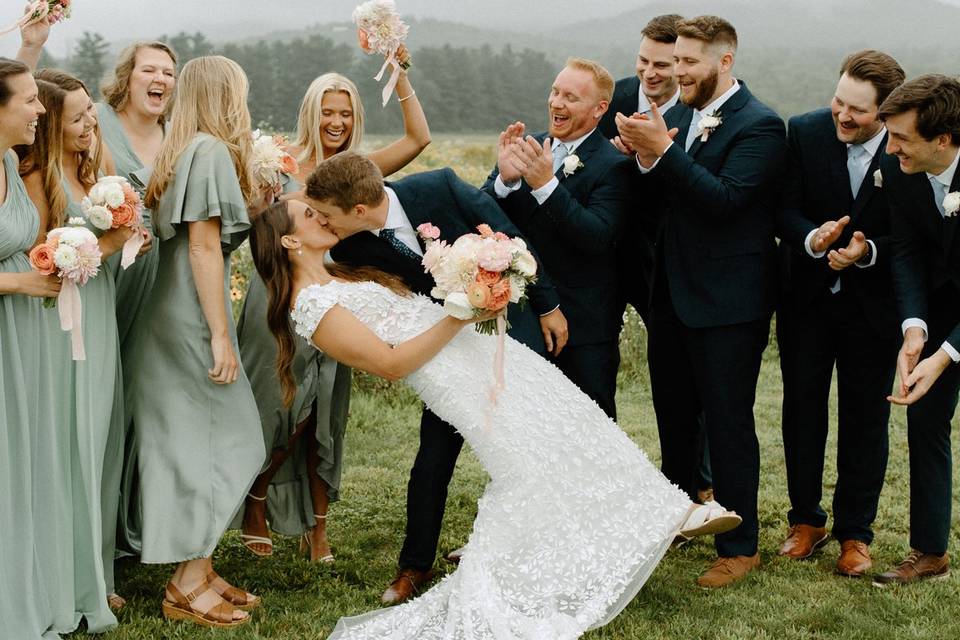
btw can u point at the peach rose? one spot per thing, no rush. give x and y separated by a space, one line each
499 295
129 195
485 230
502 237
364 40
479 295
41 259
487 278
288 164
124 215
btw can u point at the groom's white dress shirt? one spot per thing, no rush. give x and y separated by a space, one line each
398 221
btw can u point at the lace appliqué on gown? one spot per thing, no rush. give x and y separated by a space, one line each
574 518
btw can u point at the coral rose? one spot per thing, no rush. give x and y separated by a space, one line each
485 230
364 40
288 164
479 295
129 195
124 215
41 259
499 295
428 231
487 278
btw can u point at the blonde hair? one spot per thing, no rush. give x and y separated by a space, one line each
311 110
212 100
601 76
116 87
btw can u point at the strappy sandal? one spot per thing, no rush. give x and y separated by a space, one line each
239 598
220 616
708 519
307 548
249 540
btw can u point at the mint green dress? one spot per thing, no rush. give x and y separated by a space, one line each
199 446
24 386
134 285
322 383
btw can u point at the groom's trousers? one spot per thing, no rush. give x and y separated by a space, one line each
713 369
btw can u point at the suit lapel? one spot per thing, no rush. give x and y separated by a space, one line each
586 149
682 116
410 201
727 111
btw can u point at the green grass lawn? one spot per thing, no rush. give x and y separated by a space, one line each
784 600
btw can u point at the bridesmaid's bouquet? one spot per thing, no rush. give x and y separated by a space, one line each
112 203
479 273
51 11
270 161
72 252
381 30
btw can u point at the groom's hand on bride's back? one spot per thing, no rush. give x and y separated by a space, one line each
555 332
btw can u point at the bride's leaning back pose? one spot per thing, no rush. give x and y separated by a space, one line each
560 469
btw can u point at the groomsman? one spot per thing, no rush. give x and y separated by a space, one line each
837 309
568 191
922 183
718 159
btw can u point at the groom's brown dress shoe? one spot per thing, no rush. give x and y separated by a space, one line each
915 567
407 584
854 559
724 571
802 541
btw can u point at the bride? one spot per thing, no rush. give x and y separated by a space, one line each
574 518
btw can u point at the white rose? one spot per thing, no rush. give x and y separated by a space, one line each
709 122
100 217
113 195
878 179
65 256
458 306
525 263
570 164
951 203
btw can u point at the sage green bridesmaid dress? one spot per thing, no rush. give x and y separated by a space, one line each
24 384
199 445
321 382
134 285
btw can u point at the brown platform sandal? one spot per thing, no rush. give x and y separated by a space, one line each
233 595
220 616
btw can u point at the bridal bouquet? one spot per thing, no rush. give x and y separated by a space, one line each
270 160
112 203
72 252
381 30
53 11
478 273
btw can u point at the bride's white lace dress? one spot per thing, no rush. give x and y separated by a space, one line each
574 518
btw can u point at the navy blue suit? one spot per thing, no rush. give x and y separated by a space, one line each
625 100
926 278
456 208
714 291
855 329
575 232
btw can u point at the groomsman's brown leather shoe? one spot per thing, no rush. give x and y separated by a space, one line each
407 584
724 571
854 559
915 567
802 541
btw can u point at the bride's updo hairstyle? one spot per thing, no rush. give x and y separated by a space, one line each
277 272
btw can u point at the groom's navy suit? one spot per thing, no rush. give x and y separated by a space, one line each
821 324
625 100
926 277
575 232
714 290
456 208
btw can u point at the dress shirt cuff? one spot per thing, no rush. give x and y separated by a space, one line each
502 189
915 322
549 312
954 355
545 191
644 169
873 257
807 244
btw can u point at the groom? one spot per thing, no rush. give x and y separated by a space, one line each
376 223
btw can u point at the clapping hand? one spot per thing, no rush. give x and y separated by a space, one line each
648 136
827 234
508 164
855 250
623 148
536 159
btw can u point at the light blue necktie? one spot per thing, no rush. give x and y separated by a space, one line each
856 168
560 152
939 193
692 131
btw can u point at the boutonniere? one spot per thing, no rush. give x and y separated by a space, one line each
570 165
951 204
708 124
878 179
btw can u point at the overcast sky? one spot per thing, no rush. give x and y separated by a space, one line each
125 20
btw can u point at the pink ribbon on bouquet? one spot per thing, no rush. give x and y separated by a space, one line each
394 76
498 378
71 313
132 247
41 6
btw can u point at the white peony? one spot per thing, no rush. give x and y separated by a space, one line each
951 204
66 256
100 217
113 194
76 235
458 306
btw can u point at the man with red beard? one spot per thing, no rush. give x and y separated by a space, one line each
718 159
568 190
837 309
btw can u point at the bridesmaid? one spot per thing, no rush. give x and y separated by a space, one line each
297 482
25 376
138 97
58 170
195 420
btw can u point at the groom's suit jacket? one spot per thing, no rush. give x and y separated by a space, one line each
926 260
717 248
456 208
575 231
816 190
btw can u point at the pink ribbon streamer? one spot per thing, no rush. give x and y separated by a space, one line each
394 76
132 247
71 313
38 5
498 379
